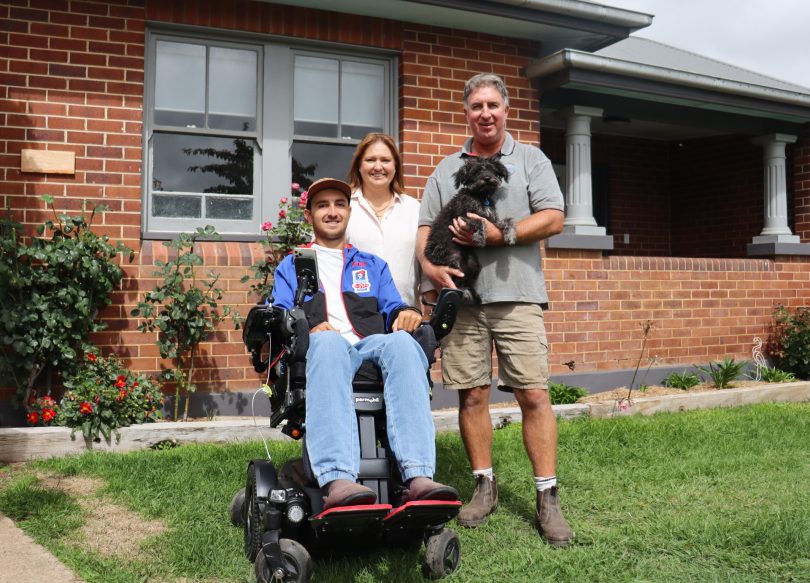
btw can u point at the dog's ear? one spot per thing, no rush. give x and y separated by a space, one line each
462 174
500 169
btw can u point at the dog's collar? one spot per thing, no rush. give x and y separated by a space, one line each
488 202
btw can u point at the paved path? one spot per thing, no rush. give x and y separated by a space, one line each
24 561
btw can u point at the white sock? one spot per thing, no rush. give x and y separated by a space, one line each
485 472
544 483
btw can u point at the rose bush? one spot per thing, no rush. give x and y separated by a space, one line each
289 231
42 411
104 396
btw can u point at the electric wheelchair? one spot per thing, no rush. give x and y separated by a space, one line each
281 510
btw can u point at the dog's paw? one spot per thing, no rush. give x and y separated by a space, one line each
509 233
479 236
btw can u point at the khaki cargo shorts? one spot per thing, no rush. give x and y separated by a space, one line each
519 333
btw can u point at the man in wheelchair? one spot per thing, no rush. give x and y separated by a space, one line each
356 316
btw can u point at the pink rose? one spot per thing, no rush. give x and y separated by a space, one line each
267 225
295 186
284 200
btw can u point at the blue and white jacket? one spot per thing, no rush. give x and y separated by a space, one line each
371 299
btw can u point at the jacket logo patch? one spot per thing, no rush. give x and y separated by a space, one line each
360 282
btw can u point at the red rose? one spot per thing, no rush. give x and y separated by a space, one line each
91 357
135 384
32 418
119 384
48 415
282 214
121 395
86 408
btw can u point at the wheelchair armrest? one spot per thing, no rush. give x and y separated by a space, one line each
262 325
445 311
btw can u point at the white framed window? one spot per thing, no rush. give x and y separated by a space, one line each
230 122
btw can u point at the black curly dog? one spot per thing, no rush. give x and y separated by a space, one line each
476 182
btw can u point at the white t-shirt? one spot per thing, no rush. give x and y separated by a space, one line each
330 273
393 238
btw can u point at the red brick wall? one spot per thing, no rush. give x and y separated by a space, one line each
801 186
717 204
71 78
702 309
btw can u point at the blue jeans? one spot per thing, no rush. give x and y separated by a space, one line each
333 441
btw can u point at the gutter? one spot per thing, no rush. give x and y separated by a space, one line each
573 59
586 10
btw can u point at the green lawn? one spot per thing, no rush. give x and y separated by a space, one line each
720 495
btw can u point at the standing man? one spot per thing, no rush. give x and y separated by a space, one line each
513 293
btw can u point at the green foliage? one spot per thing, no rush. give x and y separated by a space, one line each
722 373
789 340
51 290
681 380
280 239
183 310
776 375
104 396
562 394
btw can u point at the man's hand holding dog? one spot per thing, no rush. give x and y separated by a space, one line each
463 234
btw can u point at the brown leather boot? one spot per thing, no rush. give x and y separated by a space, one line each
549 519
483 503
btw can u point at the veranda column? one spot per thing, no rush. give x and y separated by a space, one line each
776 228
579 219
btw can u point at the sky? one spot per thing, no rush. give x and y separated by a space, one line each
771 37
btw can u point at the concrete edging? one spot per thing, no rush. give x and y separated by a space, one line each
21 444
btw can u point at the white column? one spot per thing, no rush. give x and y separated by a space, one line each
579 218
776 228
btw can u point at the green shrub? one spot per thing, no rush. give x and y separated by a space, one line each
789 340
184 310
681 380
722 373
104 396
51 291
776 375
562 394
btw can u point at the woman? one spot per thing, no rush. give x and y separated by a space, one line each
384 220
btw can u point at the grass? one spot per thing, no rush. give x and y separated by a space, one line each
718 495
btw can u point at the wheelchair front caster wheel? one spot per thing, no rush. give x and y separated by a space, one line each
442 554
237 504
297 563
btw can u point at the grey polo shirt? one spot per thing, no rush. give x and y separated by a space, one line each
508 274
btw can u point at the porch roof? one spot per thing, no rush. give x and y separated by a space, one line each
555 24
656 85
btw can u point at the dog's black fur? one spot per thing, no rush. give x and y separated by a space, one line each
476 181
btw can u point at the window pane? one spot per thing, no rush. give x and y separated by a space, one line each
239 209
313 161
180 84
202 164
176 206
362 99
316 96
232 87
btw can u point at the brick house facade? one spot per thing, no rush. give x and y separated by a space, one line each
73 79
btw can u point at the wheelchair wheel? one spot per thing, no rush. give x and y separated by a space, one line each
442 554
237 504
296 559
251 517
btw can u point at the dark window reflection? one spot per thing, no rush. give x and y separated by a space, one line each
203 164
176 206
238 209
313 161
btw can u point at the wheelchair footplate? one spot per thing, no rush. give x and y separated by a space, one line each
355 520
419 515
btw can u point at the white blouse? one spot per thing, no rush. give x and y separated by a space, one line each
393 238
